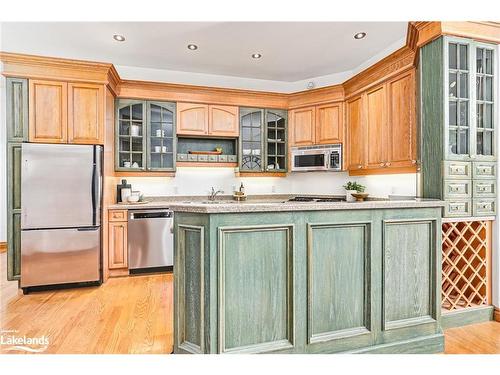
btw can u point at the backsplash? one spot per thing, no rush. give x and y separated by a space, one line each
198 181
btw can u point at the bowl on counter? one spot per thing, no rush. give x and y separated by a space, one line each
360 197
134 198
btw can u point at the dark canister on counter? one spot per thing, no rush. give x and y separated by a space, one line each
119 188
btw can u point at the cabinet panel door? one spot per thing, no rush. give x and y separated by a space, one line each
376 122
192 119
303 123
402 127
223 121
48 111
118 257
14 160
85 113
17 109
329 123
356 133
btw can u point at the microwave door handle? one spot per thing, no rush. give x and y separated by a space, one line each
327 162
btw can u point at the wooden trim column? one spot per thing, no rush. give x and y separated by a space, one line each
3 247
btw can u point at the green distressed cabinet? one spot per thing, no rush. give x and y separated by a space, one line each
458 85
308 282
263 140
17 132
145 138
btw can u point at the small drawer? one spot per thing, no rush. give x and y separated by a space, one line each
484 207
213 158
117 215
223 158
483 170
193 157
484 189
182 157
457 170
232 158
202 157
457 208
457 189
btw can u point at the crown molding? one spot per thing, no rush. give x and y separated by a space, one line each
31 66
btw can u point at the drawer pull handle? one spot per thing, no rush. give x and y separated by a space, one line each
484 170
454 188
454 208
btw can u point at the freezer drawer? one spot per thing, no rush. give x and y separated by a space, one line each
60 256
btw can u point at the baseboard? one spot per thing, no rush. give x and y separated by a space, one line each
420 345
463 317
3 247
496 314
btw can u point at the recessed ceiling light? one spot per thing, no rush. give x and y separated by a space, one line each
192 47
256 55
359 35
119 38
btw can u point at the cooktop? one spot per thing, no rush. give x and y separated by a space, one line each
316 199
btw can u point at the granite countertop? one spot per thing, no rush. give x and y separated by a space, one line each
273 203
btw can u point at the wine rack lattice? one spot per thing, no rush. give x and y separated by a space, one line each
465 264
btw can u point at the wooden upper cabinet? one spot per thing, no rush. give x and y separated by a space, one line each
303 126
85 113
402 123
356 133
223 121
377 132
192 119
48 116
329 124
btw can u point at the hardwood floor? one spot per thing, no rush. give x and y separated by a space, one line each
135 315
125 315
483 338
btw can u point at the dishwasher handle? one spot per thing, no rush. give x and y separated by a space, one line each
138 215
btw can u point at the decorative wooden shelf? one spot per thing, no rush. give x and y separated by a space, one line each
466 266
205 164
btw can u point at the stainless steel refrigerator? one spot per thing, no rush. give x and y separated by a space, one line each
60 214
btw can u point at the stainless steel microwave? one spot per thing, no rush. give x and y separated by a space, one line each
317 158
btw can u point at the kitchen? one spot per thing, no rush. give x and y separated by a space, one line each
356 216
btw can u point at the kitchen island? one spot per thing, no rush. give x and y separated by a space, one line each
294 277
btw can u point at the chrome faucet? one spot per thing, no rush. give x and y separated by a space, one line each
214 193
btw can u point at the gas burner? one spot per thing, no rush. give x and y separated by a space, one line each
330 200
316 199
301 199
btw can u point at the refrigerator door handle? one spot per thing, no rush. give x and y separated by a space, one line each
95 181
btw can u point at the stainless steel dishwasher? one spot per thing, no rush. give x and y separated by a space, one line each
150 240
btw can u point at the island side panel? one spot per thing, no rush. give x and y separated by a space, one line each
312 281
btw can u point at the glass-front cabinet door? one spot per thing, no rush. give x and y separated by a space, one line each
130 135
485 101
161 135
458 97
470 76
251 139
276 146
145 136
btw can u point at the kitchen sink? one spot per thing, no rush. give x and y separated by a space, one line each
218 202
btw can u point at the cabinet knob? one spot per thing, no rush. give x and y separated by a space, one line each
382 164
414 162
359 166
387 164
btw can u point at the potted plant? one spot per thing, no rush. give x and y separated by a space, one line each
352 188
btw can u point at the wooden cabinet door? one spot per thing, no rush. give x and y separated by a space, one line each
48 116
85 113
376 123
402 125
117 250
192 119
17 109
303 124
223 121
356 134
329 123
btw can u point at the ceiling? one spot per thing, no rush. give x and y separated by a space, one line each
291 51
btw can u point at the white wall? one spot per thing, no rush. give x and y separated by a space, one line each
198 181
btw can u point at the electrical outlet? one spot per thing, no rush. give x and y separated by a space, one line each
273 189
176 190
